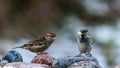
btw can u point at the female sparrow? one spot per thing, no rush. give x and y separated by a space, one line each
40 44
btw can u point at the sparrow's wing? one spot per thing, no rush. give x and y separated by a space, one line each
37 44
88 38
38 41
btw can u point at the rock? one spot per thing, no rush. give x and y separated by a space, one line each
43 59
13 56
2 63
84 64
25 65
70 62
118 66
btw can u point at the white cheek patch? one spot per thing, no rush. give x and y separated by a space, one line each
79 33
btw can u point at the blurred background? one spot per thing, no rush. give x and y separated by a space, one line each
24 20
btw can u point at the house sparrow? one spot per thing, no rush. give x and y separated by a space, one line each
40 44
84 42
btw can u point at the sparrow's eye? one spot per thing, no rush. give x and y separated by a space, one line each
86 30
53 35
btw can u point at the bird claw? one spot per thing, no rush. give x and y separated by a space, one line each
44 53
41 53
89 55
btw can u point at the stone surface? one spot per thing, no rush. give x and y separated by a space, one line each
24 65
2 63
13 56
43 59
84 64
65 62
118 66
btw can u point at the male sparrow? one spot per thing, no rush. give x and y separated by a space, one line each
40 44
84 42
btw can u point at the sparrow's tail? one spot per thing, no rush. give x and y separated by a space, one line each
17 47
20 46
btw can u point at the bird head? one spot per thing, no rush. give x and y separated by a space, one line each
50 37
83 33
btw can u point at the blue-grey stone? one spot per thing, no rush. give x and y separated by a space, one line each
64 62
13 56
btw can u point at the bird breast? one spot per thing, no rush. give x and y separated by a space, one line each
84 47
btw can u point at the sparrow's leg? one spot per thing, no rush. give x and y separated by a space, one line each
88 54
44 53
38 53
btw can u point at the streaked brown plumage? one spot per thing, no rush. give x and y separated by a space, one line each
40 44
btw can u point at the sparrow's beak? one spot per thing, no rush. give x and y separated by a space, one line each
80 33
